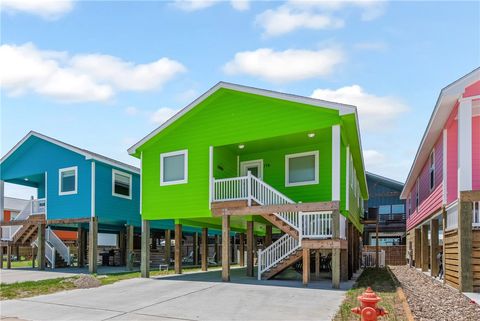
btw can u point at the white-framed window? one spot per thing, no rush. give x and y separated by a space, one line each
432 170
174 168
121 184
301 169
68 180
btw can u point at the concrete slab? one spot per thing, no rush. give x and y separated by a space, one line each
195 296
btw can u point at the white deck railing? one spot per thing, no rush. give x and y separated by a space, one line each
33 207
231 189
276 252
58 245
316 225
452 216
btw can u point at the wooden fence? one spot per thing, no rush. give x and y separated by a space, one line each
394 255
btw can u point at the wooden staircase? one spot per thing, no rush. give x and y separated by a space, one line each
283 264
282 225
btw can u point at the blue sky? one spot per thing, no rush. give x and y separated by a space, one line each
101 75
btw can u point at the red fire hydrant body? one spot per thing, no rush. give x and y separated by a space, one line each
368 309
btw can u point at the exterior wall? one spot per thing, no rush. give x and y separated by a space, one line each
476 152
452 157
111 208
225 118
7 216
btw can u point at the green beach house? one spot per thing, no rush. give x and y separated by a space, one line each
248 161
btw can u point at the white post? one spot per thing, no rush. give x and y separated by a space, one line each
444 166
259 264
336 163
465 145
211 182
31 204
249 187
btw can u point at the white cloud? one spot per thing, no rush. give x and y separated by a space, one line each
240 5
373 158
76 78
46 9
285 66
375 112
197 5
298 14
162 115
131 111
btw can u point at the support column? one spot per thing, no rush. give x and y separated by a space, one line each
9 256
178 248
433 247
250 248
241 249
129 256
122 242
145 256
444 226
351 244
424 248
268 235
33 257
195 249
168 247
226 248
306 266
465 145
417 248
204 249
80 247
465 273
41 247
1 255
336 250
93 245
317 265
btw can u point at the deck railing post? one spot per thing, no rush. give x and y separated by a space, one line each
259 265
249 188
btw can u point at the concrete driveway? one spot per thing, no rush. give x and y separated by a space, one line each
198 296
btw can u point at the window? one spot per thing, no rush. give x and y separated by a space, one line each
67 181
384 209
301 169
174 168
121 184
398 209
432 169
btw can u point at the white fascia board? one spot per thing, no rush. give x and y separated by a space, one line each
343 109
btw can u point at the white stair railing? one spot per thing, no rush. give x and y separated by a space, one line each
58 245
276 252
49 252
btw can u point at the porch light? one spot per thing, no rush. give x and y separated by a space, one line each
26 179
241 146
311 135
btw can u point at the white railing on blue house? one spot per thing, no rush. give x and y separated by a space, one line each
33 207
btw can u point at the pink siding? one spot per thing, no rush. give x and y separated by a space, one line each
452 157
472 90
476 152
429 206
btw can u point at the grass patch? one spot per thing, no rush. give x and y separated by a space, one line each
33 288
383 285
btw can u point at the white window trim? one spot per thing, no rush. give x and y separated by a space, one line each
60 171
185 170
115 171
245 164
287 178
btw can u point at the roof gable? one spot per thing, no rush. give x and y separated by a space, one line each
83 152
341 108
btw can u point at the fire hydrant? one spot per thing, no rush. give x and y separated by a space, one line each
368 309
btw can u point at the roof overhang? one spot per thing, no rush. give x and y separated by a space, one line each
443 108
342 108
87 154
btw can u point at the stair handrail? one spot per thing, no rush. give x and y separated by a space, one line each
49 252
13 229
58 244
276 252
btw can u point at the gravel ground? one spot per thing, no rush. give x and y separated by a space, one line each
431 300
86 281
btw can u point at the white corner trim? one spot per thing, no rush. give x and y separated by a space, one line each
183 152
117 172
210 176
141 181
92 201
287 174
46 195
444 166
465 145
347 179
336 163
60 171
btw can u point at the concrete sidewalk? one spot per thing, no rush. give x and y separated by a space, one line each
195 296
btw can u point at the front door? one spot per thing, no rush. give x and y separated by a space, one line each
255 167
